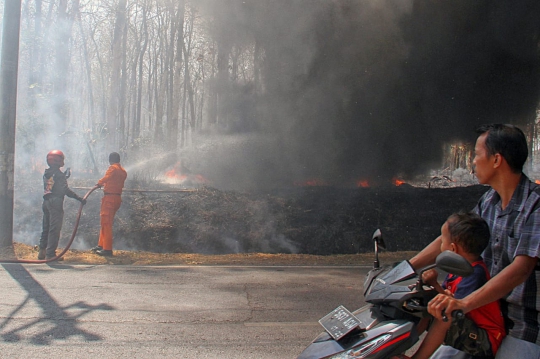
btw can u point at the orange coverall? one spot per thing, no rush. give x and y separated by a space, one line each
113 183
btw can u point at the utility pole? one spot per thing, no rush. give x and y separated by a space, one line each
8 109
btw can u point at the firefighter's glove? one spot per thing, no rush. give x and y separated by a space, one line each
82 200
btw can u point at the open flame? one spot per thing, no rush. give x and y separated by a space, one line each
365 183
174 175
181 175
537 181
362 183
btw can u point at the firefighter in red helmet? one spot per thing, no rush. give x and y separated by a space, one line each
56 158
55 188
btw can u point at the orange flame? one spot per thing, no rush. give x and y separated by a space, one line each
175 175
537 181
172 174
398 182
362 183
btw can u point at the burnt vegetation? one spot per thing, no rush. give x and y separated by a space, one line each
306 220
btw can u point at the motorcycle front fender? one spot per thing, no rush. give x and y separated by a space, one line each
403 336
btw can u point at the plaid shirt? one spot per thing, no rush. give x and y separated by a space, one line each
515 231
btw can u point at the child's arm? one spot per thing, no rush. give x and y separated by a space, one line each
433 340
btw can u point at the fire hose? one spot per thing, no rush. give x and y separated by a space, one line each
38 261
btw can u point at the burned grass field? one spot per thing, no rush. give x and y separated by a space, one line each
301 220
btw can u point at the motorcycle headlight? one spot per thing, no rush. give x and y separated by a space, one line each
364 350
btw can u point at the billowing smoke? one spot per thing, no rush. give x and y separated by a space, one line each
371 89
342 91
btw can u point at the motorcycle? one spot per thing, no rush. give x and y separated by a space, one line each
386 326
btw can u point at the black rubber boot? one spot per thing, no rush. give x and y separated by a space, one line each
96 248
41 254
104 253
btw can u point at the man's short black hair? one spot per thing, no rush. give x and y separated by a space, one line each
114 157
470 231
507 140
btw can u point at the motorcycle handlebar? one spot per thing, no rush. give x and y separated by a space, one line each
456 315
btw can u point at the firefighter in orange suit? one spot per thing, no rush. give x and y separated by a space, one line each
112 183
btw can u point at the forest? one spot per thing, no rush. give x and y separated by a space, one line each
268 93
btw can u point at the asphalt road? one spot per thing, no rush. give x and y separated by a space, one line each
83 311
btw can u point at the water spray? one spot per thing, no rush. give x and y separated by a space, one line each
150 160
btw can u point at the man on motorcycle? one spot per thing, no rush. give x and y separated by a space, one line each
480 333
512 210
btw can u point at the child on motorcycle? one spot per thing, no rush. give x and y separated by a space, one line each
480 333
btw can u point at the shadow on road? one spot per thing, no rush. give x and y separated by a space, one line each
58 321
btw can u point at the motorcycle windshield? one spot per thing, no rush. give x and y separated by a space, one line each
401 272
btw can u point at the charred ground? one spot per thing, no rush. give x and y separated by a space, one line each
305 220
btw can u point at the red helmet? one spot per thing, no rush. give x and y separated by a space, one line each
55 158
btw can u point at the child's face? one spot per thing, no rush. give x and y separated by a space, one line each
446 240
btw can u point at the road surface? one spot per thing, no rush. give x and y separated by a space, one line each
88 311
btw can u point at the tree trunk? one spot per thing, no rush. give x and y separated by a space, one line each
62 60
122 95
35 79
187 80
103 92
178 70
138 114
224 50
172 112
188 87
115 78
88 68
151 79
158 80
213 100
202 75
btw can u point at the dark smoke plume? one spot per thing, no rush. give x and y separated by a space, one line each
355 90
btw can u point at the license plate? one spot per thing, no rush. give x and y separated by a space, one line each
339 322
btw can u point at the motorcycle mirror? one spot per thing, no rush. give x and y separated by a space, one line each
378 239
453 263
